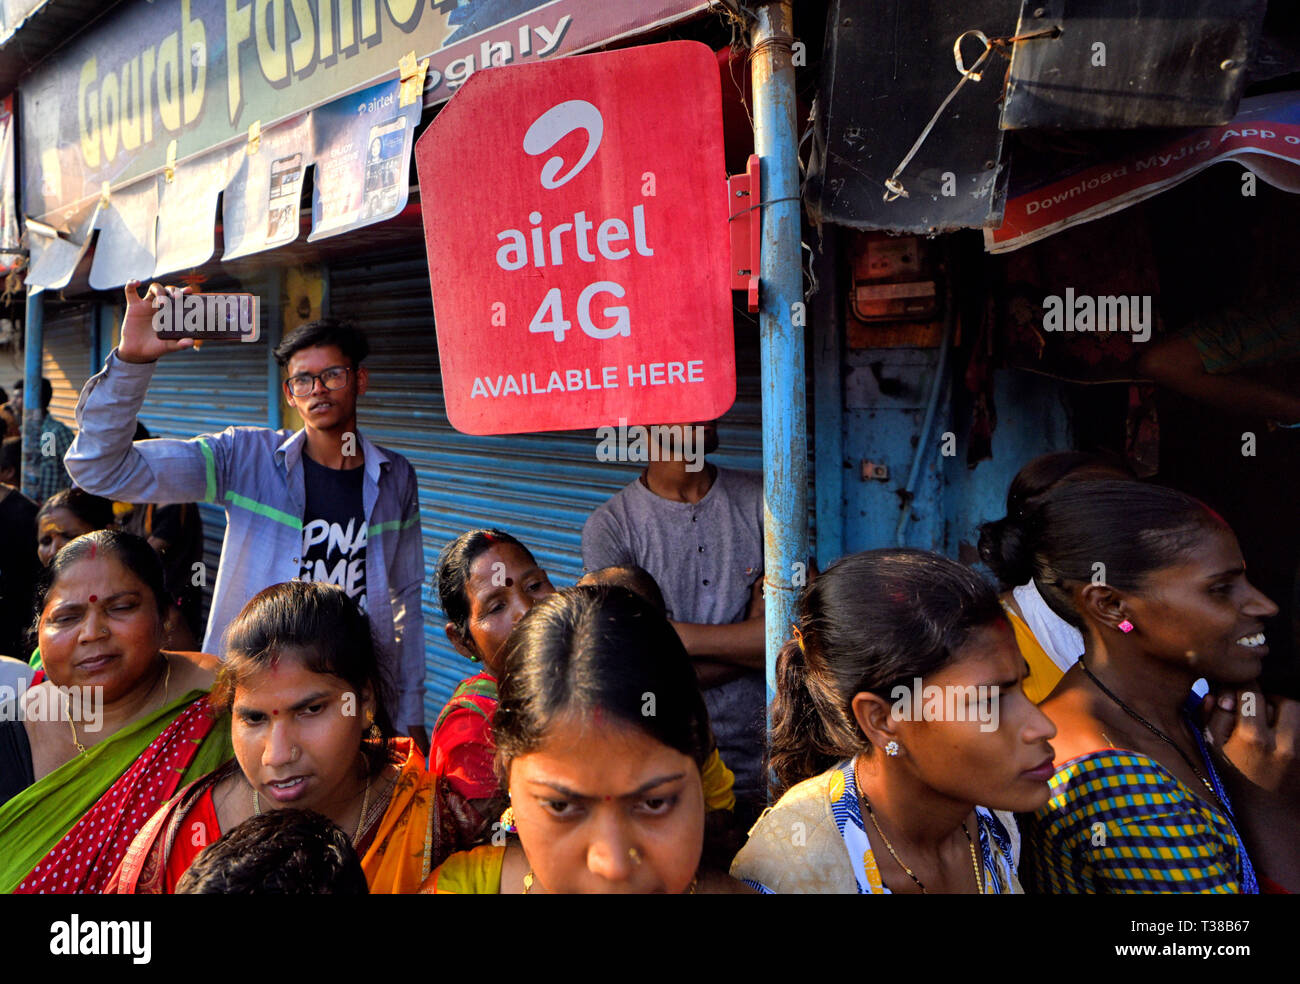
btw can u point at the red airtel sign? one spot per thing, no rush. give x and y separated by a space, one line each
575 216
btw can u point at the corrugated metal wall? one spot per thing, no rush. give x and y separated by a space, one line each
66 358
540 487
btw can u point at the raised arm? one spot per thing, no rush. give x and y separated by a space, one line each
104 459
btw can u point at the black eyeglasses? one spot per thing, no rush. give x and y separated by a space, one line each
333 378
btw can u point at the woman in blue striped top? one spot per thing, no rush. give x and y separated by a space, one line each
901 736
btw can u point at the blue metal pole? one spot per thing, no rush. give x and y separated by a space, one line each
33 346
785 423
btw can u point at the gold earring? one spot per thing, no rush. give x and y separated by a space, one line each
508 819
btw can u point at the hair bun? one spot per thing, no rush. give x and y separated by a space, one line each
1004 546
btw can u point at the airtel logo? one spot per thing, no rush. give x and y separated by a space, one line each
553 126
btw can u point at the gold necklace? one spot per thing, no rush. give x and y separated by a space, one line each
979 881
361 820
67 704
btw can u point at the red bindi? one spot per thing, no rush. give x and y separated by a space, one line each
94 598
275 712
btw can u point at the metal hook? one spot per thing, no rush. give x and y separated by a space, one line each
970 73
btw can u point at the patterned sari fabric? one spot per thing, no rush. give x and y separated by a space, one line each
462 738
814 842
461 755
402 839
66 833
1119 823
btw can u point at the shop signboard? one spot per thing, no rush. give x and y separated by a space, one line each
184 94
106 107
578 243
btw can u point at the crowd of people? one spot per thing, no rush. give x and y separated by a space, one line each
1090 724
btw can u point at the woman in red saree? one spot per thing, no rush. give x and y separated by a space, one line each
302 684
90 752
487 581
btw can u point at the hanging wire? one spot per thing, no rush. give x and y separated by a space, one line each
894 189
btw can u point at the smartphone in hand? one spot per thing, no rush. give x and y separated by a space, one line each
208 317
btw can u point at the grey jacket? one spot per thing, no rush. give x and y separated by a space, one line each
256 475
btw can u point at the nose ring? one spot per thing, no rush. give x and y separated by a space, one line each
634 855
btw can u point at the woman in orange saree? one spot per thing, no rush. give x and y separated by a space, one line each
309 731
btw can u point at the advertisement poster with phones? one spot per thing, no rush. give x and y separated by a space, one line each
175 94
363 149
260 206
359 149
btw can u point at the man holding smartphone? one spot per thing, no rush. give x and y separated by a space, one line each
319 504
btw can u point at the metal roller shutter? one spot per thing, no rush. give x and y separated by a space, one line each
540 487
66 359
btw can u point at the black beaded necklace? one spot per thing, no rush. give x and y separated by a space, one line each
1154 730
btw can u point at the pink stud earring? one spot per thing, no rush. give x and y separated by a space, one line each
1126 626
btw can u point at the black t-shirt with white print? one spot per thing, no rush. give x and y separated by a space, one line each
334 528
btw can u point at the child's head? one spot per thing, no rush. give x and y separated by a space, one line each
638 580
279 852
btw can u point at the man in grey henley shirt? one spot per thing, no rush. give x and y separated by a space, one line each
699 533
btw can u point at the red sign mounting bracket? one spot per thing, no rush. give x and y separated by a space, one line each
746 225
